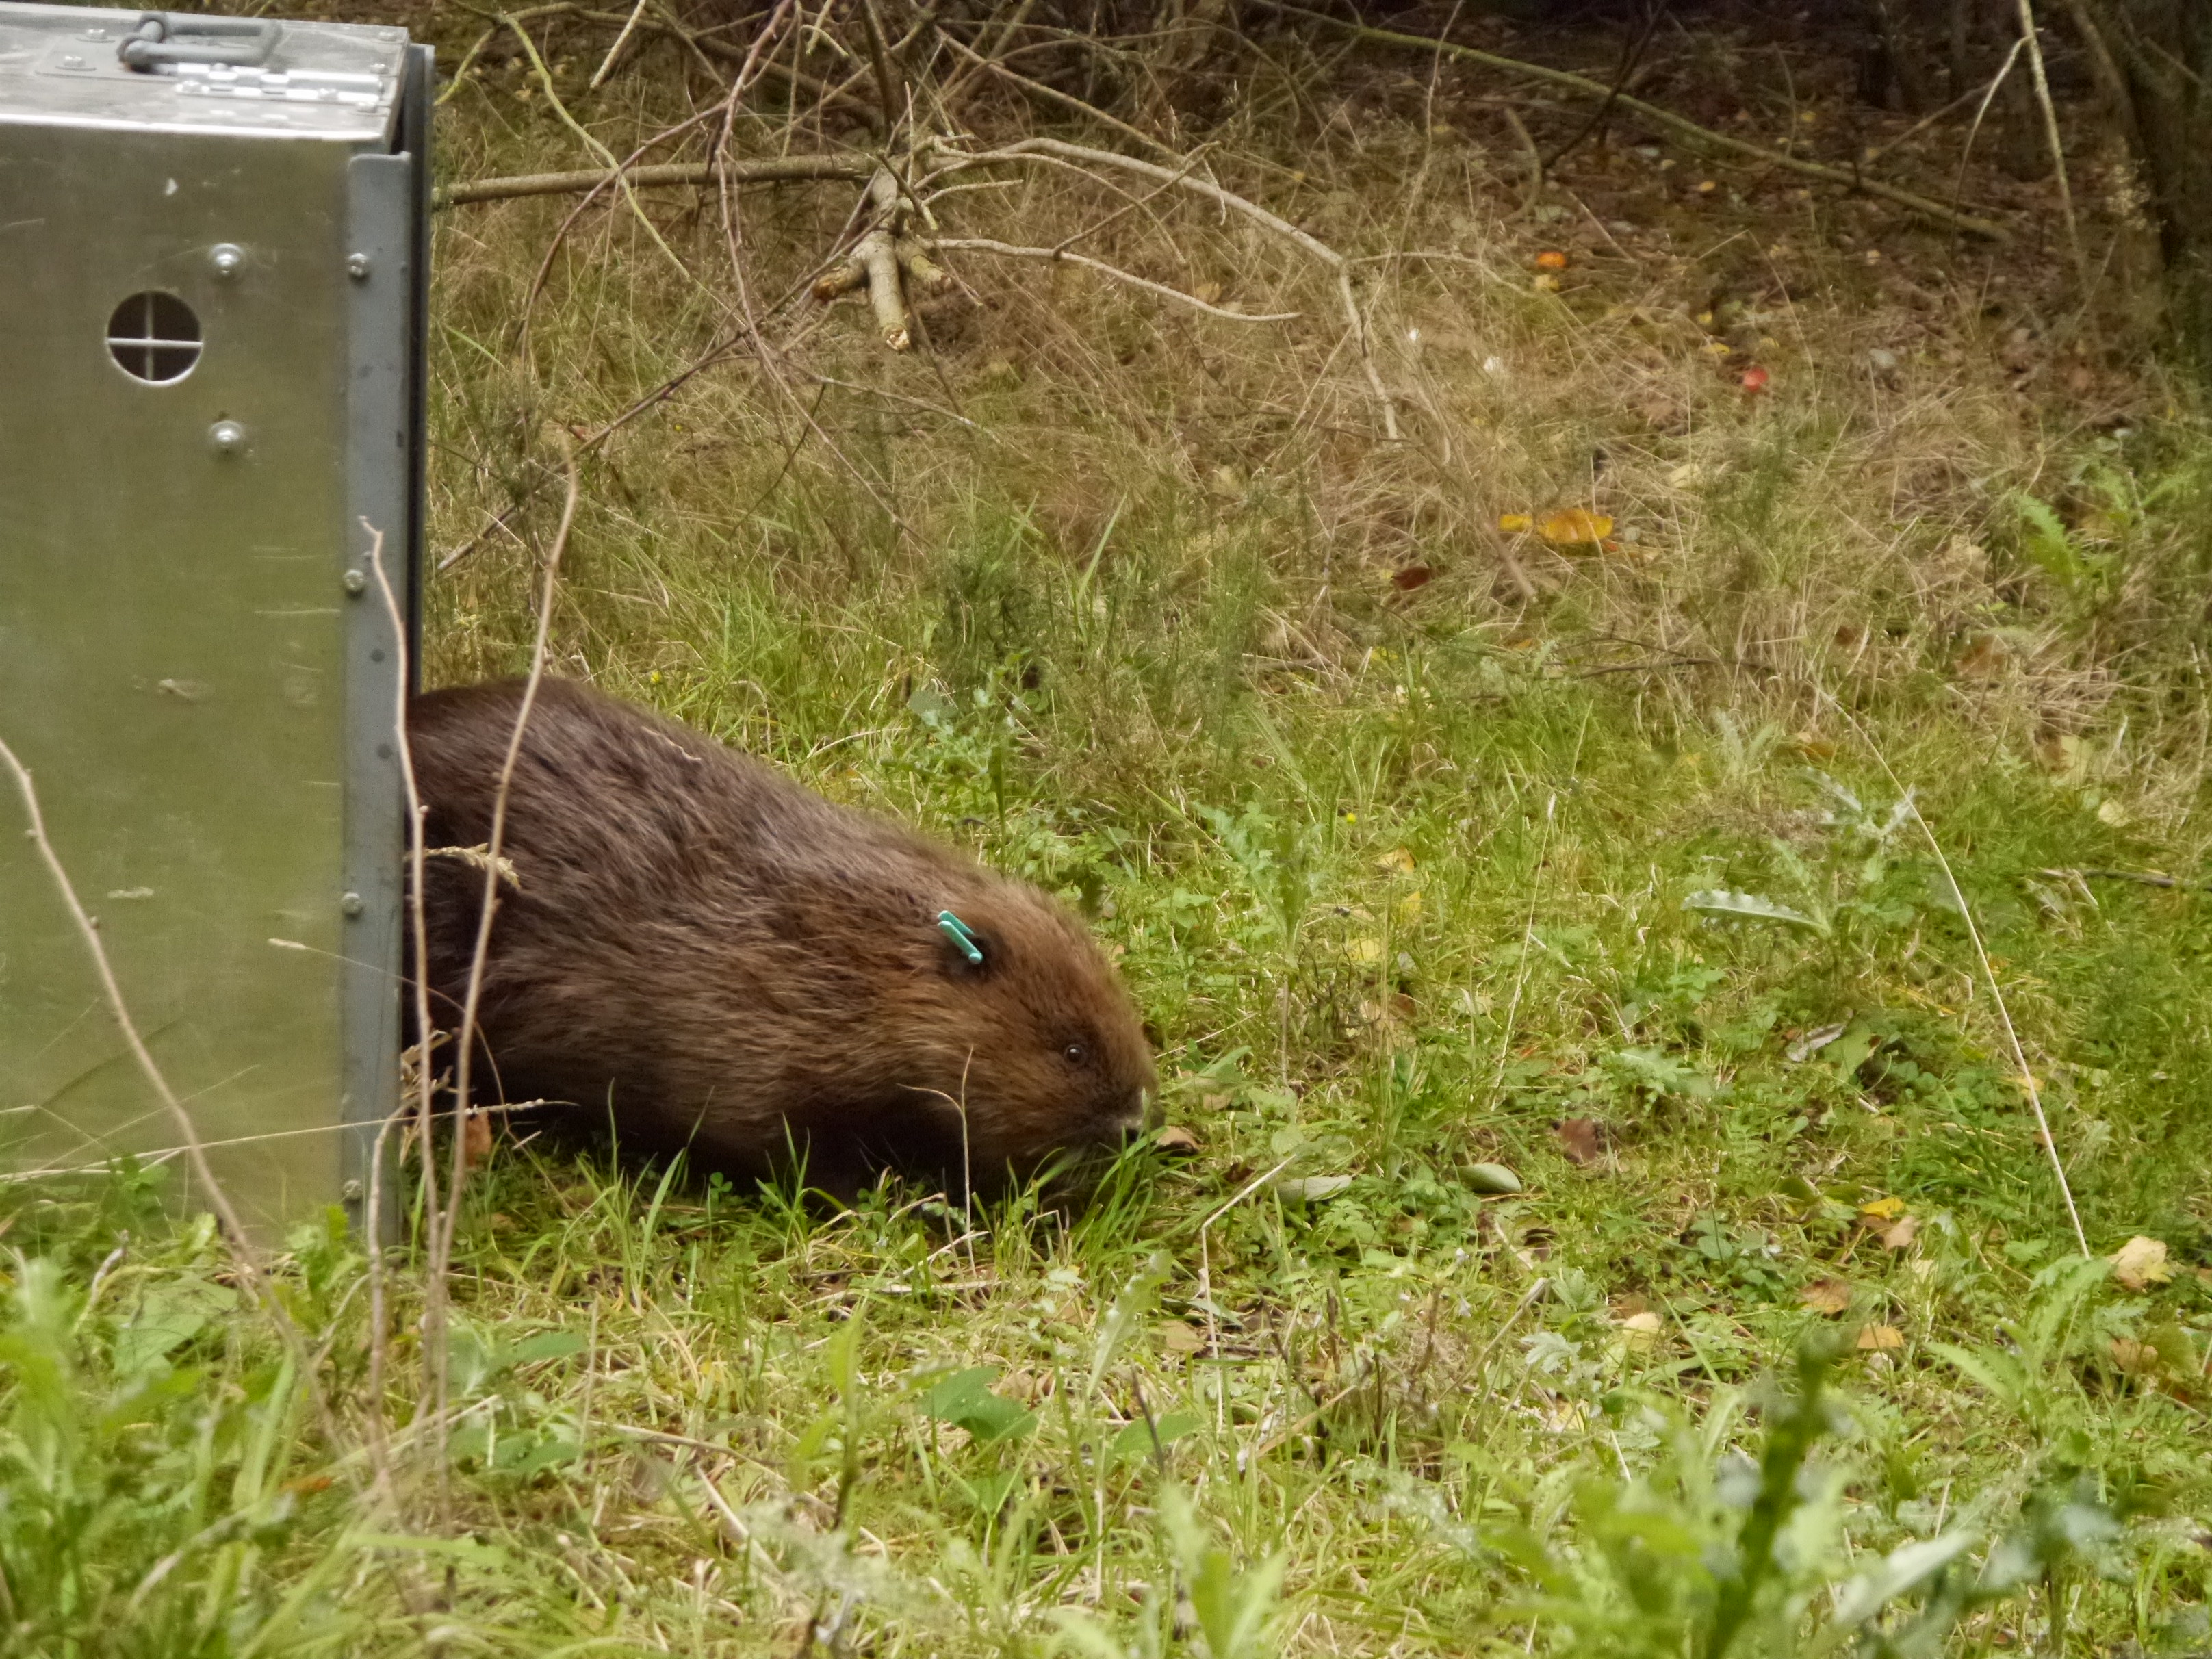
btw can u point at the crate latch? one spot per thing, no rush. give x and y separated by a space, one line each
168 37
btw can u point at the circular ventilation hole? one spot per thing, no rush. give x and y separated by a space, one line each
154 336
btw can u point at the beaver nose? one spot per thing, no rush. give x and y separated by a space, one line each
1131 1119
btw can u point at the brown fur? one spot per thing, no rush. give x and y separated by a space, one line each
717 959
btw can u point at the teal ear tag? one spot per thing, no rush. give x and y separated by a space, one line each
962 941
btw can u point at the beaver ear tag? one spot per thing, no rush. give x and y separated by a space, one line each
962 941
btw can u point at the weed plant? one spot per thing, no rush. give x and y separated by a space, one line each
1621 888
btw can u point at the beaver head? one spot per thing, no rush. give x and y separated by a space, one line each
1012 1036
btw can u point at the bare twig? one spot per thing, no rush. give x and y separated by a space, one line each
1988 973
2028 33
1631 52
1974 127
2140 878
418 929
1665 117
660 394
614 52
1066 100
1535 193
233 1229
187 1131
1081 156
985 245
444 1227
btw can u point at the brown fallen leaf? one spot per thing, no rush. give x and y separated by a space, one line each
1982 660
1583 1140
476 1138
2139 1263
2134 1358
1826 1296
1900 1233
1410 576
1176 1138
1882 1338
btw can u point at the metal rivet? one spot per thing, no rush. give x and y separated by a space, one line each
72 61
351 904
227 437
226 257
355 583
356 265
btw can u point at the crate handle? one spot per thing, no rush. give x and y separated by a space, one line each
244 42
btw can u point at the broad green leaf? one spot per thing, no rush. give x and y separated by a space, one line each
1720 901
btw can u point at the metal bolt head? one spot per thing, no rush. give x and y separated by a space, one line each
356 265
72 61
355 583
227 258
227 437
351 904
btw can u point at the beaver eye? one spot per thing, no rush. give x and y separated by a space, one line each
1075 1054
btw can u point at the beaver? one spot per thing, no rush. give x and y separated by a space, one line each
700 954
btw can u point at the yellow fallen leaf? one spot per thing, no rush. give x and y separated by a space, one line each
1882 1338
1545 283
1363 950
1515 524
1179 1338
1408 909
1826 1296
1574 527
2139 1263
1642 1329
1397 861
2111 813
1883 1209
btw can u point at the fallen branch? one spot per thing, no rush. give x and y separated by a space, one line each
884 259
1682 125
768 170
883 262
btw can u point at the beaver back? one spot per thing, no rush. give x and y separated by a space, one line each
703 954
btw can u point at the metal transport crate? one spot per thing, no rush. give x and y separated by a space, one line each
214 238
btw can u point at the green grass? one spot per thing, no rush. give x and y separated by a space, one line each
1407 879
